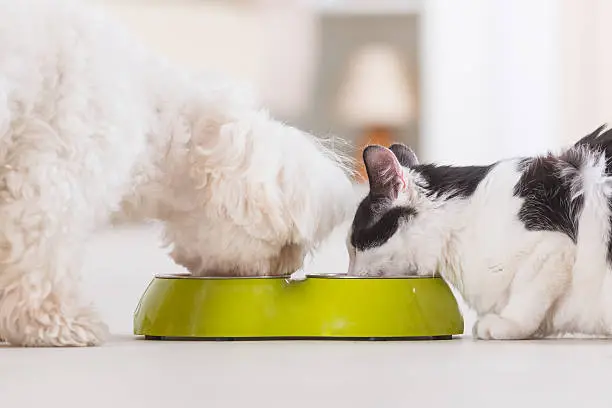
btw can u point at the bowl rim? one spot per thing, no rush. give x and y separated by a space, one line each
329 276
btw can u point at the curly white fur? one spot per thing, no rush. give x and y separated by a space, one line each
91 123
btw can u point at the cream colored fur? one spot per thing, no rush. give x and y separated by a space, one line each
91 124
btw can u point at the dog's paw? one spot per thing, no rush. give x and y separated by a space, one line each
40 328
297 276
495 327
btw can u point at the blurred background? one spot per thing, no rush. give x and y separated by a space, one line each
461 81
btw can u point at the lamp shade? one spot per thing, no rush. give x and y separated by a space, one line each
376 91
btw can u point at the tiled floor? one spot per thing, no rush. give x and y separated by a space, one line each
137 373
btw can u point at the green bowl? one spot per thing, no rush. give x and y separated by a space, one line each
320 307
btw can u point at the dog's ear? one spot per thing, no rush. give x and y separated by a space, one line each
405 155
385 174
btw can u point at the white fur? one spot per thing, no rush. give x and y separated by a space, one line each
522 283
91 123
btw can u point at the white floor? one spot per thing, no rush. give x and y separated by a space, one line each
137 373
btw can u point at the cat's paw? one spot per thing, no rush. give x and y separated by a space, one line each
495 327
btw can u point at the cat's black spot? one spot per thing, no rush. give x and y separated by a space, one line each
376 221
546 188
573 158
452 181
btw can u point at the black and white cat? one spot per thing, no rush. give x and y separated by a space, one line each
527 241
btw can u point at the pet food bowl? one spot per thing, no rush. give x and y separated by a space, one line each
320 307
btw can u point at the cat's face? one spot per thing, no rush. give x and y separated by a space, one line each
384 219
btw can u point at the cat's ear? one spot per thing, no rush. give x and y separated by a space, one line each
406 156
384 171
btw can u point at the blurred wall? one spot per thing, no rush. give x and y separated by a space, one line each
496 78
490 79
198 35
505 78
586 44
267 45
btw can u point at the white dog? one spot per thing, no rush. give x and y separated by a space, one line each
91 124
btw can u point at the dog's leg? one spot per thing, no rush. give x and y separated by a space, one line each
44 218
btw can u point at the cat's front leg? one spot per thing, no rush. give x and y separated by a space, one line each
495 327
541 279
